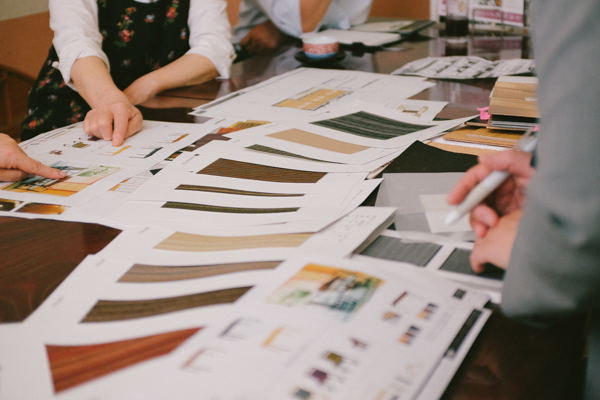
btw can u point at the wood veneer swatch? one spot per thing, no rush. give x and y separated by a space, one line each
318 141
492 137
140 273
28 277
230 210
110 310
213 189
475 151
371 126
256 172
180 241
271 150
73 365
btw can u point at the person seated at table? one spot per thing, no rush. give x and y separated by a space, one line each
543 226
265 25
15 165
108 56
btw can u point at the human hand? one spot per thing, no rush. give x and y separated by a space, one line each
263 38
15 164
508 197
114 121
495 247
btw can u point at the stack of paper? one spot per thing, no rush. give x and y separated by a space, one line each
513 104
209 210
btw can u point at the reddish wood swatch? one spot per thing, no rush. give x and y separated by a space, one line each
74 365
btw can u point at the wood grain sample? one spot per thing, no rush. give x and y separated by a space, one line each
256 172
111 310
140 273
213 189
71 366
230 210
318 141
180 241
48 252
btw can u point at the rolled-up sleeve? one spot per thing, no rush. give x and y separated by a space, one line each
210 33
76 33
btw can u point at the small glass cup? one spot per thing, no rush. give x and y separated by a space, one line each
457 21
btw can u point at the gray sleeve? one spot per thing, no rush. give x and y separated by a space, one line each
555 265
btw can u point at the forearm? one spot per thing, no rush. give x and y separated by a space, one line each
190 69
312 12
93 82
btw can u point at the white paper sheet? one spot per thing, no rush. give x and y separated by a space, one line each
347 153
190 214
84 182
274 344
304 91
155 142
361 226
429 129
170 192
184 170
445 257
436 211
404 191
243 151
464 67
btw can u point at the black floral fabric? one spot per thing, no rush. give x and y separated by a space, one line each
138 38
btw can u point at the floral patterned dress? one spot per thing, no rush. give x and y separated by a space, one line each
138 38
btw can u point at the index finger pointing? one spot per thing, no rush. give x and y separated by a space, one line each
120 126
32 166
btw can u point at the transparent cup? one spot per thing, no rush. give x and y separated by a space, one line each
457 21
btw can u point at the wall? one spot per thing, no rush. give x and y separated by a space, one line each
19 8
401 8
25 42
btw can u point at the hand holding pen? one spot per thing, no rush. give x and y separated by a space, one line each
500 180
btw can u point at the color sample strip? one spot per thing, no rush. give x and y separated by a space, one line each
243 170
394 249
27 278
230 210
318 141
141 273
370 126
45 209
180 241
108 310
311 99
271 150
459 262
73 365
212 189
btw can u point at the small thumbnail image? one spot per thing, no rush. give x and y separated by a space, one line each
77 179
339 362
390 317
410 335
327 290
428 311
43 209
9 205
358 344
303 394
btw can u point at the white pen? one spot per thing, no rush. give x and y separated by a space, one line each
489 183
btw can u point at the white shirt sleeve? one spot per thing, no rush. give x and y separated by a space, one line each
210 33
76 33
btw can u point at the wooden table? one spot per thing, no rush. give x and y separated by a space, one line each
507 361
